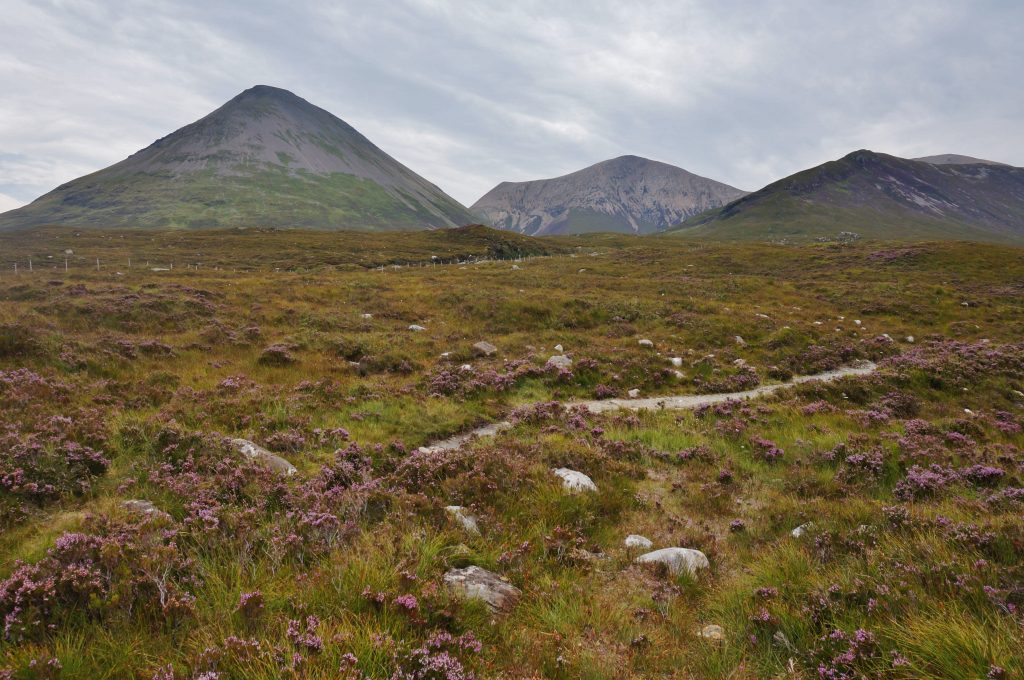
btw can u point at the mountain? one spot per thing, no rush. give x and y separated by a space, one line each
955 159
265 158
876 195
627 194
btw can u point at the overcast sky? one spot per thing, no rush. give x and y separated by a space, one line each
475 92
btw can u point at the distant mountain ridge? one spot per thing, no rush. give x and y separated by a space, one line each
265 158
626 194
878 196
955 159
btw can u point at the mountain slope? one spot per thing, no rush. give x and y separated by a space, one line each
627 194
955 159
877 196
265 158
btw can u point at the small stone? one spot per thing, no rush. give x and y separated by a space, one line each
633 393
678 375
910 339
558 348
560 361
712 632
575 481
676 361
740 363
416 328
856 322
740 341
676 559
484 349
258 453
476 583
646 343
801 530
515 267
462 516
466 368
367 316
142 507
638 541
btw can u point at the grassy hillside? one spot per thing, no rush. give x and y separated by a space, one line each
875 196
123 384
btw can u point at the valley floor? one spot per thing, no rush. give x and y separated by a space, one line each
138 542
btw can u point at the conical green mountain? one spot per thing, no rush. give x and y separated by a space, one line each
265 158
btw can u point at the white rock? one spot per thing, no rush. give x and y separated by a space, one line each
676 559
856 322
559 348
575 481
801 530
638 541
466 368
740 363
462 516
416 328
676 361
258 453
475 583
515 267
712 632
367 316
740 341
560 361
678 375
910 339
141 507
633 393
646 343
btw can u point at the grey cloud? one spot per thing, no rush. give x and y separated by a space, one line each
472 93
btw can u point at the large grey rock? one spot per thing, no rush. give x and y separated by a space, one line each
575 481
258 453
677 560
484 349
476 583
560 361
462 516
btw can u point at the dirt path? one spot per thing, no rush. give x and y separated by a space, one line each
682 402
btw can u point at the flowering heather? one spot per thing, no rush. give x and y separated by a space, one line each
766 449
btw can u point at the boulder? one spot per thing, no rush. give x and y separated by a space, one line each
484 349
638 541
462 516
258 453
475 583
575 481
676 559
560 361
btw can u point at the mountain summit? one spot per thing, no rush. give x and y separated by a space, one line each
265 158
626 194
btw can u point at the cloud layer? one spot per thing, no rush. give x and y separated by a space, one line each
472 93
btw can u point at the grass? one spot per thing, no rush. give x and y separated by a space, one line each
145 366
